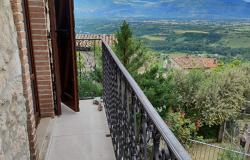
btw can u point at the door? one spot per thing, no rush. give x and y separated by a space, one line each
31 63
63 44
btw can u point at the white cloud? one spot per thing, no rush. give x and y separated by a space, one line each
145 3
86 9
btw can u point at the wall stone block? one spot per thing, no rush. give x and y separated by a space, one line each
14 144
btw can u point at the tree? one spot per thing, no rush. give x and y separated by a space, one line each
156 87
185 87
211 98
129 50
80 64
182 127
222 95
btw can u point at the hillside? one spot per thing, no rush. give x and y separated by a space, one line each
182 37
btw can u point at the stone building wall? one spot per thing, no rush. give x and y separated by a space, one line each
14 144
24 54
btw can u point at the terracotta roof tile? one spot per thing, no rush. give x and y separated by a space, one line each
109 38
195 62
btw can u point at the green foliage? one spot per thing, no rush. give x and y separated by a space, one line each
230 155
221 96
161 92
123 46
208 98
221 39
97 49
89 88
90 80
223 66
182 127
209 132
129 50
156 88
80 61
211 97
96 74
186 86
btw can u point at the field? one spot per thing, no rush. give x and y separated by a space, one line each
189 31
154 37
236 41
222 39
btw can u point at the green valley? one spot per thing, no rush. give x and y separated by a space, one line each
222 39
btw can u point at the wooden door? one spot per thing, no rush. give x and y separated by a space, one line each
63 42
32 63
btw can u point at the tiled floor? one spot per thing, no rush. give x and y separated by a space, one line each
81 136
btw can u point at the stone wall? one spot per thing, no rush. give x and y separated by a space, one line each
14 143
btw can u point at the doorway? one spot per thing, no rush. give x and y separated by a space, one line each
64 54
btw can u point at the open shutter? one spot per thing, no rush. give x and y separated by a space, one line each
64 52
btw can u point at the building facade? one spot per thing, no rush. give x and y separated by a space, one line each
31 87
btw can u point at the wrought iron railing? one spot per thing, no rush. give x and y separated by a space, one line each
137 130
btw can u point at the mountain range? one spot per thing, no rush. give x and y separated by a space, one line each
164 9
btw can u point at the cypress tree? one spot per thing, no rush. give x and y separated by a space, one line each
129 50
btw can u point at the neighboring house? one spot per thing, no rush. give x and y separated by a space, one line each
191 62
89 39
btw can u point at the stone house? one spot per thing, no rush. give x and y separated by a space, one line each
35 35
109 38
191 62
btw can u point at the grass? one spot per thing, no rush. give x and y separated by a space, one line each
154 37
236 41
243 28
177 54
189 31
204 152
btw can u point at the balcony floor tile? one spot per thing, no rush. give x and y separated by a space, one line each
80 136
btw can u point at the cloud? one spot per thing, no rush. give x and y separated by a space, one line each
85 10
142 3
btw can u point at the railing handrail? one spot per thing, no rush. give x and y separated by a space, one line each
162 127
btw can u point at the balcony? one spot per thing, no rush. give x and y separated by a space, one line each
87 139
128 128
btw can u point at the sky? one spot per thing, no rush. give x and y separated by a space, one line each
146 3
140 7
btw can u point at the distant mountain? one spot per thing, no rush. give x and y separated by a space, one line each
195 9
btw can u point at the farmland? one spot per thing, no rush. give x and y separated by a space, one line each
222 39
